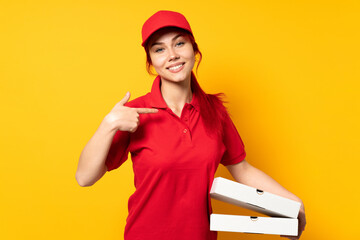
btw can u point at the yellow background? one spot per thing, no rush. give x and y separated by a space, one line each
290 70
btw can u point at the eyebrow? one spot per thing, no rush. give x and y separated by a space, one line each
159 43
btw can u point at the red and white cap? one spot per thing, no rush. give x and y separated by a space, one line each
163 19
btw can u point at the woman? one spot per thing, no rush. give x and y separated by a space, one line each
177 136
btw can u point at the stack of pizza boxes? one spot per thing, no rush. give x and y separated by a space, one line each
282 212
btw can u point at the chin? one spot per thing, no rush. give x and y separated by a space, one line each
178 77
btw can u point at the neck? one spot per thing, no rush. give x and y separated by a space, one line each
176 94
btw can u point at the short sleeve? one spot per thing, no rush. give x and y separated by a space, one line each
235 150
118 151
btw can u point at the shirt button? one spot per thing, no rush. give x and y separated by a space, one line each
185 130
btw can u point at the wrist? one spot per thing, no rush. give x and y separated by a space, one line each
108 124
302 209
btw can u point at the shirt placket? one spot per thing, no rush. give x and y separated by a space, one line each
185 120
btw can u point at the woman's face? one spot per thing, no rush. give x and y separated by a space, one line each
172 55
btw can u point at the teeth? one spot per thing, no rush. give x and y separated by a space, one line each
177 67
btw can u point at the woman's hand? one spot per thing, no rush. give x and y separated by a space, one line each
302 223
126 118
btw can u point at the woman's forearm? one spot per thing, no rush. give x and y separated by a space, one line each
91 164
251 176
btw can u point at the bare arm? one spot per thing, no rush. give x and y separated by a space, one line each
246 174
91 166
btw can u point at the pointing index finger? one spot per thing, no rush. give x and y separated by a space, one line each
146 110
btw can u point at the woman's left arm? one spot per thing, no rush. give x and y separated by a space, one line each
245 173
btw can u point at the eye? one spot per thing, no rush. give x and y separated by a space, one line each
180 43
158 50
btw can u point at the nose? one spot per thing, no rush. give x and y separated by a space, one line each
173 55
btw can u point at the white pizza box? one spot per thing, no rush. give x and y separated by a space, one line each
248 224
254 199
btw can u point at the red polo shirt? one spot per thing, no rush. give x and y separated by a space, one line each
174 163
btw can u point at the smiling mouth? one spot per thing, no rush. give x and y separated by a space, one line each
176 67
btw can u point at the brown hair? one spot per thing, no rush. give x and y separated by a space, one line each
212 109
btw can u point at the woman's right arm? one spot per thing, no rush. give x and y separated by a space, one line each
91 166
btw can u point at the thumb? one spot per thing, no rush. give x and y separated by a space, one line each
125 99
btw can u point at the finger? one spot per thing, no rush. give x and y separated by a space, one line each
289 237
133 129
125 99
146 110
286 237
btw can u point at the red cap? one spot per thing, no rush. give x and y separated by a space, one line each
163 19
